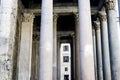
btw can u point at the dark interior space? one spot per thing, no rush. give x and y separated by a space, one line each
36 28
66 23
37 20
65 1
94 2
37 1
29 3
36 23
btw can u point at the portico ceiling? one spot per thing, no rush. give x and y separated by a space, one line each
33 6
28 3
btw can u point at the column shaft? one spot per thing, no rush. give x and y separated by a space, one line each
8 19
25 48
77 54
55 46
58 57
46 41
86 44
99 50
74 56
95 53
105 45
113 39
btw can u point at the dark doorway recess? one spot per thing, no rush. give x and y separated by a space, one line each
66 23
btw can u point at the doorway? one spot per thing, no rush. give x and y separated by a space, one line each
66 35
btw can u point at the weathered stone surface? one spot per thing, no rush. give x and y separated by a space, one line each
8 14
105 45
99 49
114 40
5 67
24 72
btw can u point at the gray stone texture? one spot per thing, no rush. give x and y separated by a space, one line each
114 40
46 41
105 45
85 41
8 15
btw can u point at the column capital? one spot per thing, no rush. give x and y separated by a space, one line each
110 4
28 17
102 15
96 24
75 15
55 16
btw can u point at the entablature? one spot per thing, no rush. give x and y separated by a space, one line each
57 9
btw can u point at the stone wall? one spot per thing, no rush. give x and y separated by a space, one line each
10 22
17 41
